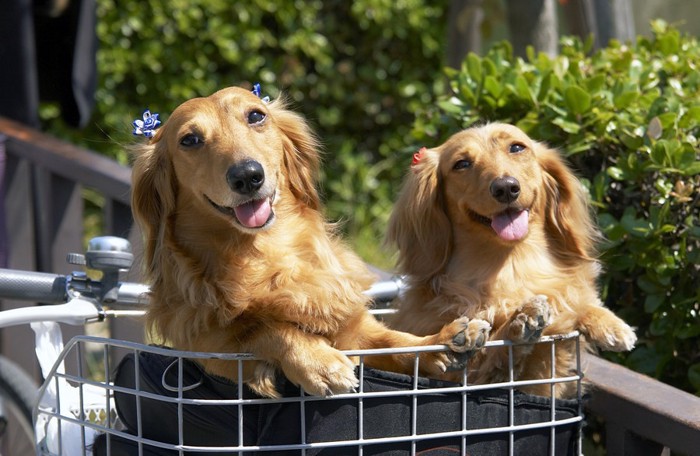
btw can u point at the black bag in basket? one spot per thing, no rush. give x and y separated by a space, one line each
273 423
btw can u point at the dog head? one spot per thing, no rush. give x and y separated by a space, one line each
488 184
231 155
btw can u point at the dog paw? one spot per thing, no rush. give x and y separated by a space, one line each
607 331
620 337
325 374
464 337
529 322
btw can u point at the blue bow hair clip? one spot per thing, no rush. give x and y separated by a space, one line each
256 92
146 127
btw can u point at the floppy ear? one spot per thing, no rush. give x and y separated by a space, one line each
568 220
419 226
301 156
152 195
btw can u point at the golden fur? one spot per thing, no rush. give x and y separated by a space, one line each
538 276
248 264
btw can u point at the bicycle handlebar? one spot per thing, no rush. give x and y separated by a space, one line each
75 312
385 290
33 286
78 299
58 289
75 298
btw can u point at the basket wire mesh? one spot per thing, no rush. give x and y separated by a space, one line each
69 427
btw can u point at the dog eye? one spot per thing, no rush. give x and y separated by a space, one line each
516 148
255 117
462 164
191 140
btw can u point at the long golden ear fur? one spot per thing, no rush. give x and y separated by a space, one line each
419 226
568 219
152 195
301 157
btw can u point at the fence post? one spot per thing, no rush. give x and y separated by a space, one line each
620 440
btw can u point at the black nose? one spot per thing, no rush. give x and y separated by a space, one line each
245 177
505 189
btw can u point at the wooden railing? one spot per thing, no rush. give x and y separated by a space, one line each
643 417
43 210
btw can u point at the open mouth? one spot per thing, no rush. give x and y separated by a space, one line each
253 214
509 225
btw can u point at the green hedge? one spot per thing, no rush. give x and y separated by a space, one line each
357 70
628 118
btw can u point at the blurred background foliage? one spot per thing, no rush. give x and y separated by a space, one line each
356 70
368 75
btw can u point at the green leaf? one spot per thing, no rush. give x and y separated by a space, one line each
577 100
659 153
652 302
530 54
449 107
616 173
624 100
566 125
694 376
631 140
685 157
474 66
649 286
664 229
467 94
688 331
596 83
493 87
691 117
522 88
668 119
490 68
669 43
645 360
694 232
545 86
451 73
634 226
578 148
692 169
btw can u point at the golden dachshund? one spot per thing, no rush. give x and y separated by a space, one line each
492 225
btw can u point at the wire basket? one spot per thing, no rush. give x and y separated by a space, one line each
147 400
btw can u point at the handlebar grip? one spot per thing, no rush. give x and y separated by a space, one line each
32 286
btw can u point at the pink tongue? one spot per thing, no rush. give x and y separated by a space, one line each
253 214
510 225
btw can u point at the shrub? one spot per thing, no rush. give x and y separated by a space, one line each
628 118
356 70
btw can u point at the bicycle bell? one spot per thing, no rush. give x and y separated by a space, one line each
109 254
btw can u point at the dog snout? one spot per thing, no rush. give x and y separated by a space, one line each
245 177
505 189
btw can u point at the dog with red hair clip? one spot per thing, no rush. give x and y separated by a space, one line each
493 225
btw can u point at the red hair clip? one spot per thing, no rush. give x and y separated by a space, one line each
417 157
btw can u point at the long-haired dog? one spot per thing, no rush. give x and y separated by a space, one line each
240 259
493 225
